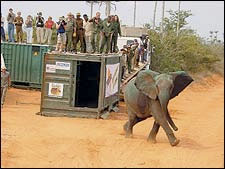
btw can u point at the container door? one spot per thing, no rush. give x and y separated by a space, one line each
87 81
36 64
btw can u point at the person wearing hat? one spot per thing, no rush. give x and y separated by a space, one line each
70 29
10 18
19 31
40 22
29 28
79 33
61 34
49 24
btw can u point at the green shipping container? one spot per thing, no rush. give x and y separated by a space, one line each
24 62
80 85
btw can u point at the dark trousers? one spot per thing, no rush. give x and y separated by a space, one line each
123 71
113 46
2 34
79 37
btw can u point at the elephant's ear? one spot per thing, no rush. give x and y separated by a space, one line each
180 80
146 84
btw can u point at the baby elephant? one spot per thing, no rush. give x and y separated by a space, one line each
148 95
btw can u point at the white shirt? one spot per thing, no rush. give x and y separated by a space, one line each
2 62
88 26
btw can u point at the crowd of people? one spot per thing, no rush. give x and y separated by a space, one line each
135 53
94 34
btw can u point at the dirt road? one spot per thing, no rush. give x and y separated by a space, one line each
29 140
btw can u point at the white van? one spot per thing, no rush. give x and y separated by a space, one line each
126 41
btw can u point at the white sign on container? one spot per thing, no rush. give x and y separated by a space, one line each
112 79
50 68
63 65
55 90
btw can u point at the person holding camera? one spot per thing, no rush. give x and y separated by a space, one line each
49 24
29 28
19 31
61 34
40 28
10 18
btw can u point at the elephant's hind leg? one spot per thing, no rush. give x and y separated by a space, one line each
153 133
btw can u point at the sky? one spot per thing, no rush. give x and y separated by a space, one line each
207 15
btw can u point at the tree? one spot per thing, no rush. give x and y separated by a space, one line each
147 25
153 26
170 24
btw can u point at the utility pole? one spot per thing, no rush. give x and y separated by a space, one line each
178 20
134 12
163 9
108 7
92 3
153 26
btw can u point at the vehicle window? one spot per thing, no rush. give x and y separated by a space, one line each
129 42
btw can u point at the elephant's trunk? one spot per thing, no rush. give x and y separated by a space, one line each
164 97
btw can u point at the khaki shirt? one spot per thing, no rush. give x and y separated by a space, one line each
18 21
79 23
70 25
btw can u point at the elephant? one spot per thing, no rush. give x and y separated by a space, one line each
147 95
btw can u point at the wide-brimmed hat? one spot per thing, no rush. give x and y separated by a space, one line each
78 14
10 9
61 17
69 14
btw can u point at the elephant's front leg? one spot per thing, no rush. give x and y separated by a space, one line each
153 133
160 118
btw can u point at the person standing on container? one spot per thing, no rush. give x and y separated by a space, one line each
88 28
2 29
10 18
29 28
40 22
95 37
107 30
19 31
117 30
79 33
49 24
61 34
70 29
